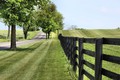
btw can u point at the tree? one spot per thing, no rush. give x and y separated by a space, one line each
73 27
29 22
8 35
10 15
49 19
14 12
59 21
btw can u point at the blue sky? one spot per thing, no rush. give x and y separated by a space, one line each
88 14
2 26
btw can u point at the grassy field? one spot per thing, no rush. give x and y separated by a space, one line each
19 35
107 49
43 60
112 33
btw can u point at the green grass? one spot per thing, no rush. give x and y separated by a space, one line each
44 60
112 33
32 34
3 36
107 49
19 35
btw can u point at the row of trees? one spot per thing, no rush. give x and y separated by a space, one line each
29 14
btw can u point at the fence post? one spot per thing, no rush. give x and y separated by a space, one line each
74 54
68 48
59 36
98 59
71 51
80 59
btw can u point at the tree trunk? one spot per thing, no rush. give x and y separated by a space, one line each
46 36
8 36
13 37
25 31
25 34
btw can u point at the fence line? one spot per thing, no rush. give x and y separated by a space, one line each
73 44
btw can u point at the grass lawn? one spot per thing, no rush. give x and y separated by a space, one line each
32 34
107 49
43 60
112 33
19 35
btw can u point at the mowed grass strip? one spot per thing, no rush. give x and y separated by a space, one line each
7 53
11 57
54 65
43 60
28 70
97 33
12 64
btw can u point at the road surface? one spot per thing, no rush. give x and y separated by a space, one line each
38 37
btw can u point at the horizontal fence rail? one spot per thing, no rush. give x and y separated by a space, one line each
71 45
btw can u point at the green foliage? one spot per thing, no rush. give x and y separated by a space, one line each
11 14
49 19
10 11
18 12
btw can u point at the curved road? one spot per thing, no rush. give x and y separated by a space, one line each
38 37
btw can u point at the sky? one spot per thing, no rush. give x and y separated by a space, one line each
3 26
88 14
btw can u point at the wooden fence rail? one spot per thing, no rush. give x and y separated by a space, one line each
73 44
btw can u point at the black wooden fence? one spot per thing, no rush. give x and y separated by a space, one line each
73 44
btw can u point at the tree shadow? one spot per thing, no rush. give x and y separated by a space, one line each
4 48
19 48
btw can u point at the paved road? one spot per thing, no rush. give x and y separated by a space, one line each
38 37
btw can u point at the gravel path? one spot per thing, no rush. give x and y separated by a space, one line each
38 37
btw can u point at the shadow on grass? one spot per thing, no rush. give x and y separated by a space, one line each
17 49
30 48
22 49
4 48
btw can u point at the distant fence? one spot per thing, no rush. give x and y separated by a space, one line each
73 44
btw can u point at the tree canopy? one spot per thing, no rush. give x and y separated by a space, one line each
49 19
14 12
30 13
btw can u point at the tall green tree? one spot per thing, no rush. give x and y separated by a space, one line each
49 19
14 12
29 21
59 21
10 15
